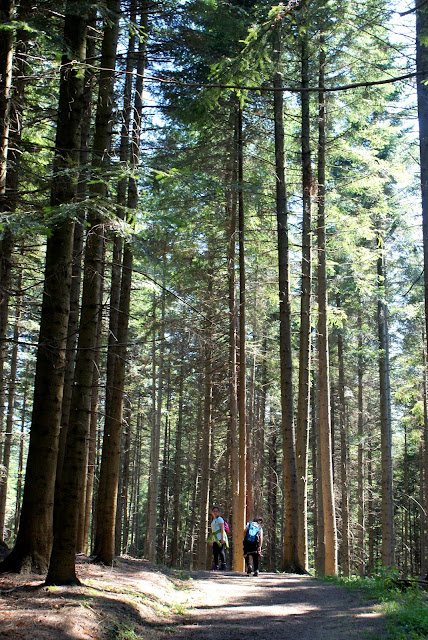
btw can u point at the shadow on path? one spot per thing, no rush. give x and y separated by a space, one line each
277 607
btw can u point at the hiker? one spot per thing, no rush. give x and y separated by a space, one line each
218 539
253 541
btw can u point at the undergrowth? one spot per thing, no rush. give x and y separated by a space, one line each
404 604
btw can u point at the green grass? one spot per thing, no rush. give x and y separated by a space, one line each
405 610
123 631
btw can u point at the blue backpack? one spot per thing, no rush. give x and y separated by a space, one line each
253 531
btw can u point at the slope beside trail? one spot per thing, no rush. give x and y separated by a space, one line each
136 600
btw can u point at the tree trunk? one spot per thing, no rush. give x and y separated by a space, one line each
422 92
330 534
106 512
385 417
303 403
260 439
9 196
231 211
361 555
6 250
344 456
206 445
78 249
73 479
370 510
33 544
20 470
10 408
272 502
164 488
178 462
425 455
7 8
242 381
153 488
196 482
290 558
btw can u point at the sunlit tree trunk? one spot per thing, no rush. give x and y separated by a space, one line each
330 534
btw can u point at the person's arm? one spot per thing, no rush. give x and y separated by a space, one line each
260 541
222 540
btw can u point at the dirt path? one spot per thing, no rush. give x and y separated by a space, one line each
135 600
276 607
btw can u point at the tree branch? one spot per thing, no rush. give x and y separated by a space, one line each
345 87
418 6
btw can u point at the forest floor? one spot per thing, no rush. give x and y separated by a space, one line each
135 600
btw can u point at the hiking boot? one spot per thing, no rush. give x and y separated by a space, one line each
256 573
223 567
249 569
214 567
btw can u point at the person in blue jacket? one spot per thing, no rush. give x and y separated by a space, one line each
253 542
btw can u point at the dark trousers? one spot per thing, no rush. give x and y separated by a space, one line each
219 554
251 555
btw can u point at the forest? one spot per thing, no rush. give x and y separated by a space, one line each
214 232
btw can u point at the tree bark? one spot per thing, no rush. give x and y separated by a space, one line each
303 403
9 196
361 555
78 249
242 371
153 488
370 510
231 211
290 558
422 93
33 544
7 8
114 417
178 462
330 534
10 407
206 444
388 552
20 470
73 479
344 456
